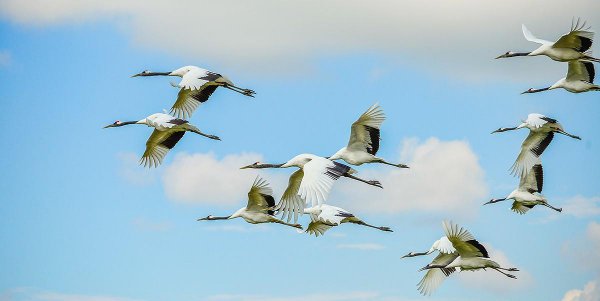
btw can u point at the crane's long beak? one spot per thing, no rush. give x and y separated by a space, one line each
148 73
109 126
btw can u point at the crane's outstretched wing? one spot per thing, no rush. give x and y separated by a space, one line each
534 180
333 215
196 78
158 145
463 241
260 197
364 135
520 208
434 277
189 100
538 120
443 245
319 175
532 148
531 38
317 228
583 71
291 204
578 39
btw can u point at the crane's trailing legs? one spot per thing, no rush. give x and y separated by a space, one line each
387 229
287 224
371 182
506 274
243 91
552 207
399 165
567 134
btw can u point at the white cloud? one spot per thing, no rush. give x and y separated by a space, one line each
493 281
590 292
131 172
584 250
444 177
31 294
203 179
364 246
457 37
580 206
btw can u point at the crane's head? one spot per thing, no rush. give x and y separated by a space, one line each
259 165
118 123
532 90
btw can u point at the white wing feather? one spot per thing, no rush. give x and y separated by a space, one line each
192 80
530 37
316 184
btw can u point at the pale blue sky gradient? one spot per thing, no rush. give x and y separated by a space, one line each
71 224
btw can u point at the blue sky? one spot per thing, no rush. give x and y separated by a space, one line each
81 221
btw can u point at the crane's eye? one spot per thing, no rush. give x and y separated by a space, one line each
117 122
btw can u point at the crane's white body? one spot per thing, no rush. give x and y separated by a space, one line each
254 217
557 54
472 263
580 78
354 157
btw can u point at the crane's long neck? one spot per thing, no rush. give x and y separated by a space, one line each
496 201
155 74
214 218
519 54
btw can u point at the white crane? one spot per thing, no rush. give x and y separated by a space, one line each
580 78
325 216
470 255
364 140
541 132
528 194
196 86
311 183
259 207
434 277
168 130
574 45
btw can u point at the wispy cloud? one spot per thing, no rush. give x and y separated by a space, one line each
364 246
281 37
32 294
202 178
582 207
346 296
590 292
583 249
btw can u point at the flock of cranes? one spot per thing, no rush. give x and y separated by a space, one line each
315 176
